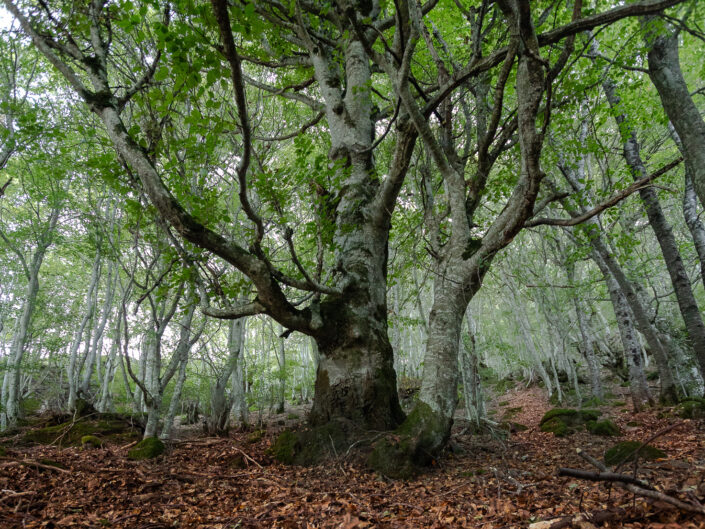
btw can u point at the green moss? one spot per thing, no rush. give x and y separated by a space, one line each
510 413
618 403
255 437
570 416
148 448
691 408
413 445
3 452
624 451
284 448
633 423
556 426
558 412
91 441
560 420
310 446
503 403
390 457
605 428
594 401
71 433
292 416
652 375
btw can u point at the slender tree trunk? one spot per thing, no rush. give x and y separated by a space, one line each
522 321
630 339
669 248
690 207
11 385
175 399
596 389
74 361
95 352
239 412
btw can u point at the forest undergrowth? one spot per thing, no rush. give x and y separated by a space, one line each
483 482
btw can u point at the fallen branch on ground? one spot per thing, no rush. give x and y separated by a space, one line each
32 463
602 476
641 491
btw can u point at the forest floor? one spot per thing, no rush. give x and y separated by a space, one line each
484 483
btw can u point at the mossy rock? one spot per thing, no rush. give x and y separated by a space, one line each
510 413
691 408
310 446
513 427
91 441
624 451
594 401
556 426
605 428
255 437
148 448
413 446
563 421
570 416
390 457
70 433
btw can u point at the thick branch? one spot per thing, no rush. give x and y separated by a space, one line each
612 201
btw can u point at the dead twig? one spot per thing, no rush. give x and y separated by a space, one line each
32 463
640 491
602 476
248 457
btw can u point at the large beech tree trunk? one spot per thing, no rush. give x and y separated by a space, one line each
355 378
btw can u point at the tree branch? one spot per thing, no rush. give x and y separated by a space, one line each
612 201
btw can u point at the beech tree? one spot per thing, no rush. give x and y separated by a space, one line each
374 80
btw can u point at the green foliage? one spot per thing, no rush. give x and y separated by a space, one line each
148 448
626 450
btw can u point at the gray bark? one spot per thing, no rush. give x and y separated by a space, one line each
630 340
472 385
690 207
666 75
12 389
222 403
669 248
596 389
73 369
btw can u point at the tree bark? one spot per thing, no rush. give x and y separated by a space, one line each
630 340
666 75
669 248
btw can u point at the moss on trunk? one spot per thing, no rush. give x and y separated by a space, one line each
413 446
